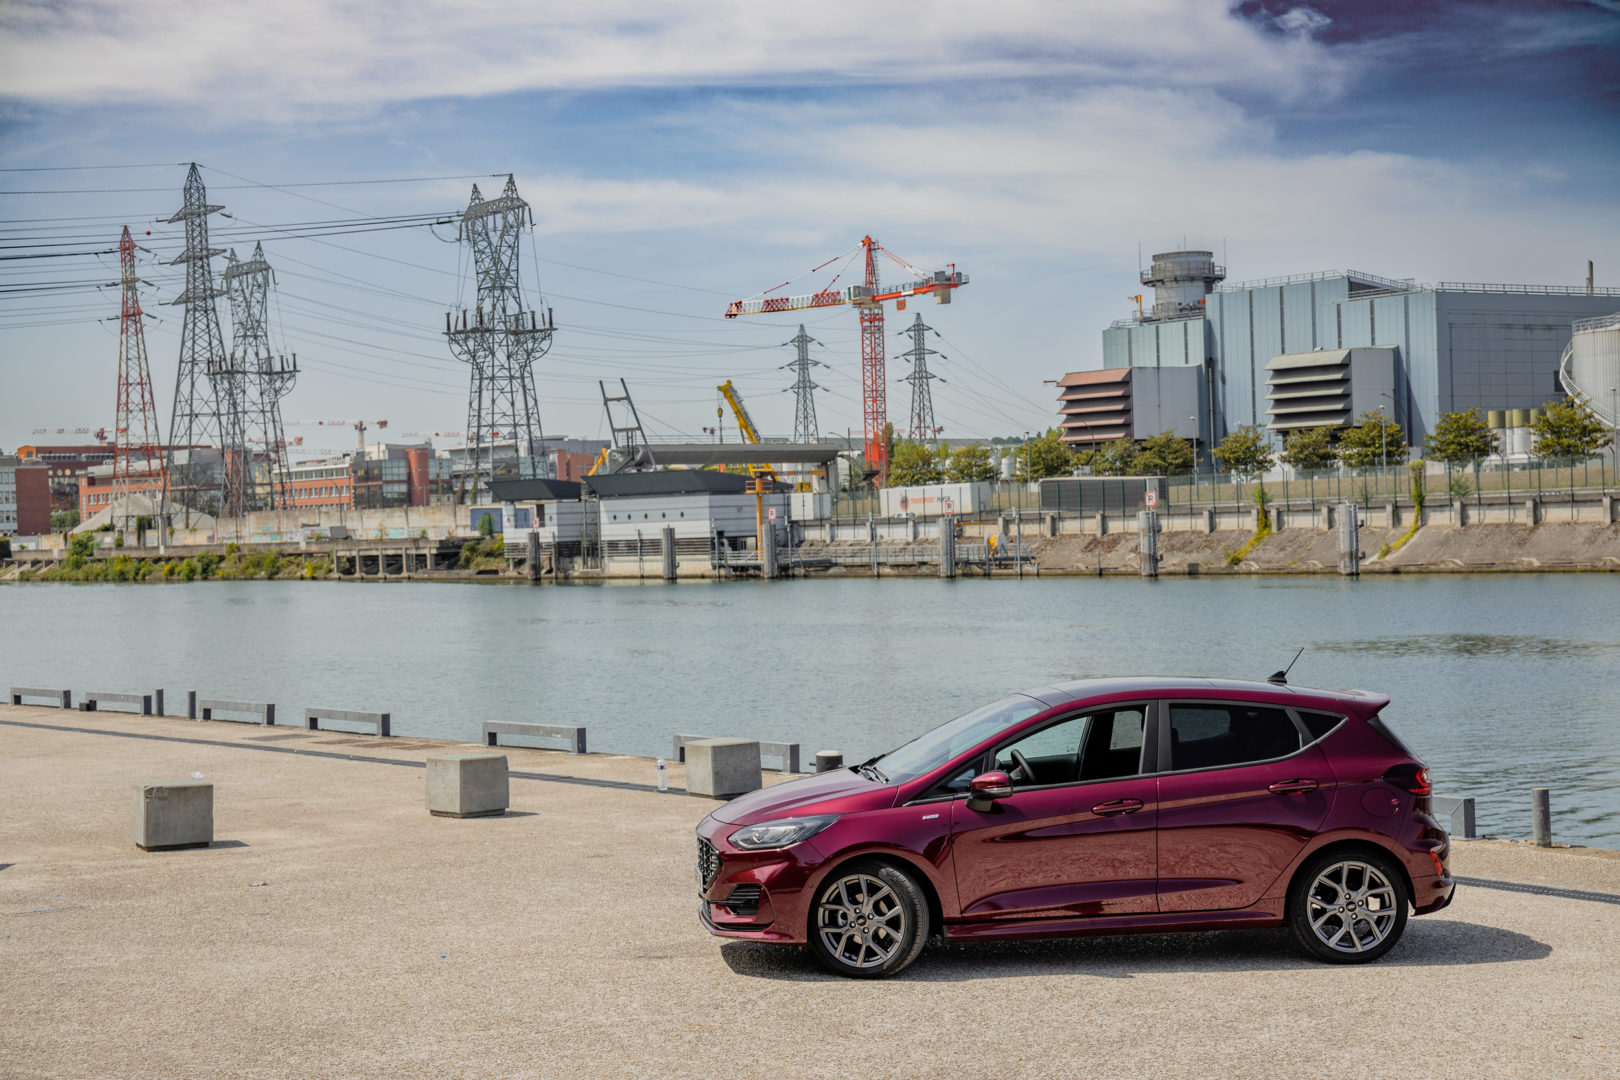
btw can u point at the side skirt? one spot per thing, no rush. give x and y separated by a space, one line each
1263 914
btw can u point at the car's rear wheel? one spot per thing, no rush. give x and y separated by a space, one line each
869 922
1347 907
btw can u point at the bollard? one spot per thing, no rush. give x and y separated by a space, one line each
1147 528
157 702
767 556
666 552
947 546
1541 816
828 760
531 563
191 704
1349 540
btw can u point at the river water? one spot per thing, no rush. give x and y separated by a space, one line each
1502 683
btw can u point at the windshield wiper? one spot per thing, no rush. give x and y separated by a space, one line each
867 769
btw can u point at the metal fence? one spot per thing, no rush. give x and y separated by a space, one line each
1486 480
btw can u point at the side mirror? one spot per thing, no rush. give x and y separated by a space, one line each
987 787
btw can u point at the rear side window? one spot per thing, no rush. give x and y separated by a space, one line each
1380 725
1211 736
1319 723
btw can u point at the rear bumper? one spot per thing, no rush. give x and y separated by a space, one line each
1431 894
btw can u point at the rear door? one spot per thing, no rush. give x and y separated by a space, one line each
1238 798
1074 839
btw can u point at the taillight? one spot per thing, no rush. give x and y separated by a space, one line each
1412 778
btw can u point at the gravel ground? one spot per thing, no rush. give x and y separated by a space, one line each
335 929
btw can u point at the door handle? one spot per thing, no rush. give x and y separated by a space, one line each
1292 787
1118 806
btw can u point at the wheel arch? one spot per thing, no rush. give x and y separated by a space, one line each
919 872
1346 846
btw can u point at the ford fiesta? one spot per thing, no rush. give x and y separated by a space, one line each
1102 806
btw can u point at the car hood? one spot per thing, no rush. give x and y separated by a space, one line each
838 792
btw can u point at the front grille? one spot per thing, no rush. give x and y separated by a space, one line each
743 901
708 864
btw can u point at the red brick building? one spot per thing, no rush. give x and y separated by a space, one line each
65 465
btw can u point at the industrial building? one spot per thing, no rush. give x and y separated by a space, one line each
25 497
1317 350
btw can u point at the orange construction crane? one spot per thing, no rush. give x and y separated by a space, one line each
868 297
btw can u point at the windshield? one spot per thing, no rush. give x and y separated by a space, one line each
932 749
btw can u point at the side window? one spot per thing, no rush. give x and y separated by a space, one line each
1053 753
1114 745
1210 736
1319 723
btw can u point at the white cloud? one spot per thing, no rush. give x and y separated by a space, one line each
1302 20
1088 175
283 60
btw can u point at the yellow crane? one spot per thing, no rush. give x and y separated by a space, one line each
745 424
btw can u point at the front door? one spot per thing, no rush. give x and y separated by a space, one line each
1237 802
1076 837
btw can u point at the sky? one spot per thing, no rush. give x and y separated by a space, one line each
681 155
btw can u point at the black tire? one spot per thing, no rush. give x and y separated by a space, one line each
868 920
1347 906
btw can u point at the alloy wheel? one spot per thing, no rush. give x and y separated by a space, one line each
861 921
1352 906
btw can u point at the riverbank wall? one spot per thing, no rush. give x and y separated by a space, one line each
1530 534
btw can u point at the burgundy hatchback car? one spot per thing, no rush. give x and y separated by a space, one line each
1102 806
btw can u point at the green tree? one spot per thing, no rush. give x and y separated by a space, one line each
5 547
1459 437
1568 429
64 520
80 550
1047 455
913 463
970 465
486 525
1164 454
1373 440
1244 452
1310 448
1117 458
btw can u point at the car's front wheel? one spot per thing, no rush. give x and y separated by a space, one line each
870 921
1347 907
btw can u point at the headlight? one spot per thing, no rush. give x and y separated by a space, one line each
779 834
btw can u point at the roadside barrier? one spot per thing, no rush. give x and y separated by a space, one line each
573 736
204 708
65 697
381 721
94 698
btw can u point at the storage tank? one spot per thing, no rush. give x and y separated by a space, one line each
1590 369
1181 280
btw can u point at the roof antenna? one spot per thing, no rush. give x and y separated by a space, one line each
1281 677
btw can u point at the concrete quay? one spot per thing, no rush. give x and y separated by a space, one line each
337 929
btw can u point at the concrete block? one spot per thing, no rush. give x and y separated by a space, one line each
721 768
468 785
173 814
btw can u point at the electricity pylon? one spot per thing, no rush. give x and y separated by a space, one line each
209 405
500 342
267 377
804 388
920 421
136 435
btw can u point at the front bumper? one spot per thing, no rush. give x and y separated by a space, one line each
782 876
